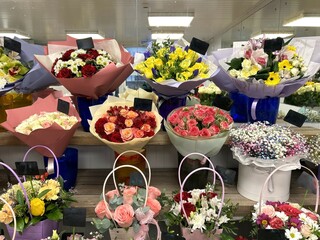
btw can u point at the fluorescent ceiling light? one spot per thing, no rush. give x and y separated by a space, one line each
170 19
272 35
86 35
172 36
304 20
13 33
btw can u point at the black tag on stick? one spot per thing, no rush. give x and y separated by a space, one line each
295 118
12 44
199 46
75 217
271 45
268 234
63 106
85 43
142 104
27 168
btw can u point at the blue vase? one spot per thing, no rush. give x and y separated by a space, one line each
68 167
84 111
246 109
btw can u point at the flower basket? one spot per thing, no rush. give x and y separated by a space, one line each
123 234
284 220
14 229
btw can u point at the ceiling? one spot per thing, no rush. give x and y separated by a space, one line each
219 22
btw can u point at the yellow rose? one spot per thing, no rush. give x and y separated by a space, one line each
158 63
161 52
148 73
37 207
180 53
140 67
173 56
192 55
149 62
159 80
54 187
185 63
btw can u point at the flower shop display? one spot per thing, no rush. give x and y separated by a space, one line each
264 70
12 70
54 136
198 128
285 220
307 95
207 94
201 213
259 148
128 210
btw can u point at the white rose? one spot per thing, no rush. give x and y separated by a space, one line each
294 71
234 73
246 64
295 63
245 74
317 87
304 69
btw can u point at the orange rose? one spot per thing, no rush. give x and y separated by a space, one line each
111 194
128 122
128 194
146 127
101 210
137 133
150 114
153 192
132 114
109 127
112 119
126 134
123 215
123 112
154 205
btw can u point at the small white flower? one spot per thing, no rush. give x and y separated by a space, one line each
175 209
294 71
282 216
3 82
223 219
234 73
293 234
198 221
246 64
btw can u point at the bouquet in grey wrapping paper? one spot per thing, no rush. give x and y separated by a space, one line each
267 68
37 78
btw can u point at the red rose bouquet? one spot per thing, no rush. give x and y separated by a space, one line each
119 125
90 73
199 128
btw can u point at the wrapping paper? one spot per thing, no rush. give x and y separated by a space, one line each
37 78
54 137
257 89
129 94
136 144
105 81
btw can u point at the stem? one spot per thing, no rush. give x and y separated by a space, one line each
73 232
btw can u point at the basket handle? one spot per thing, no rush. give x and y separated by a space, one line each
289 165
132 151
19 182
222 194
202 155
105 183
14 218
54 156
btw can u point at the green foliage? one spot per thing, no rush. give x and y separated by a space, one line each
235 63
155 46
102 225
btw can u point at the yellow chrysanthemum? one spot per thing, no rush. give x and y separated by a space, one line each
273 79
37 207
285 65
54 187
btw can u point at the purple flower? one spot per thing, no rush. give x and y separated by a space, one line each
195 72
147 54
154 71
294 222
172 48
199 60
186 48
263 220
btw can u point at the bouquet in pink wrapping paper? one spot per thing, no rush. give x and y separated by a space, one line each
91 72
42 123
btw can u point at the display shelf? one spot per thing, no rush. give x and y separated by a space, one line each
81 138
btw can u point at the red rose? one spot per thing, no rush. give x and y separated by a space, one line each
88 70
276 223
241 238
289 210
185 196
84 56
53 65
64 73
93 53
209 195
188 207
66 55
149 134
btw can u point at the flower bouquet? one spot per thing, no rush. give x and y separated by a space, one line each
264 70
198 128
90 73
33 127
9 211
127 211
285 220
259 148
201 213
11 70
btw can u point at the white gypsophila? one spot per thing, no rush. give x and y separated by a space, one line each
223 219
3 82
198 221
294 71
176 209
293 234
282 216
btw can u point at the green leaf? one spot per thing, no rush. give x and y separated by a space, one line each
55 215
20 197
101 225
287 42
275 66
20 224
263 76
35 220
43 193
264 70
50 207
224 236
235 63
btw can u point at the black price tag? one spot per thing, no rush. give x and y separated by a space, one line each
271 45
85 43
75 217
222 102
142 104
27 168
268 234
295 118
63 106
199 46
12 44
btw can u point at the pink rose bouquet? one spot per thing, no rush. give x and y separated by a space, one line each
198 128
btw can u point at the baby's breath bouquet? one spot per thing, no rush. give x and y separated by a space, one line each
314 151
47 199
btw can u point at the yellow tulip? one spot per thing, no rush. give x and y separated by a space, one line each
185 63
161 52
158 63
148 73
159 80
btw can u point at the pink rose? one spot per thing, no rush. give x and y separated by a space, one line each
268 210
146 127
194 131
214 130
126 134
260 57
248 53
124 215
153 192
181 132
208 120
204 133
313 216
123 112
112 119
200 114
101 210
132 114
128 194
182 124
174 118
154 205
305 231
192 122
137 133
111 194
224 125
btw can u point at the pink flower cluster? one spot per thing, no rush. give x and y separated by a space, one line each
199 121
127 210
